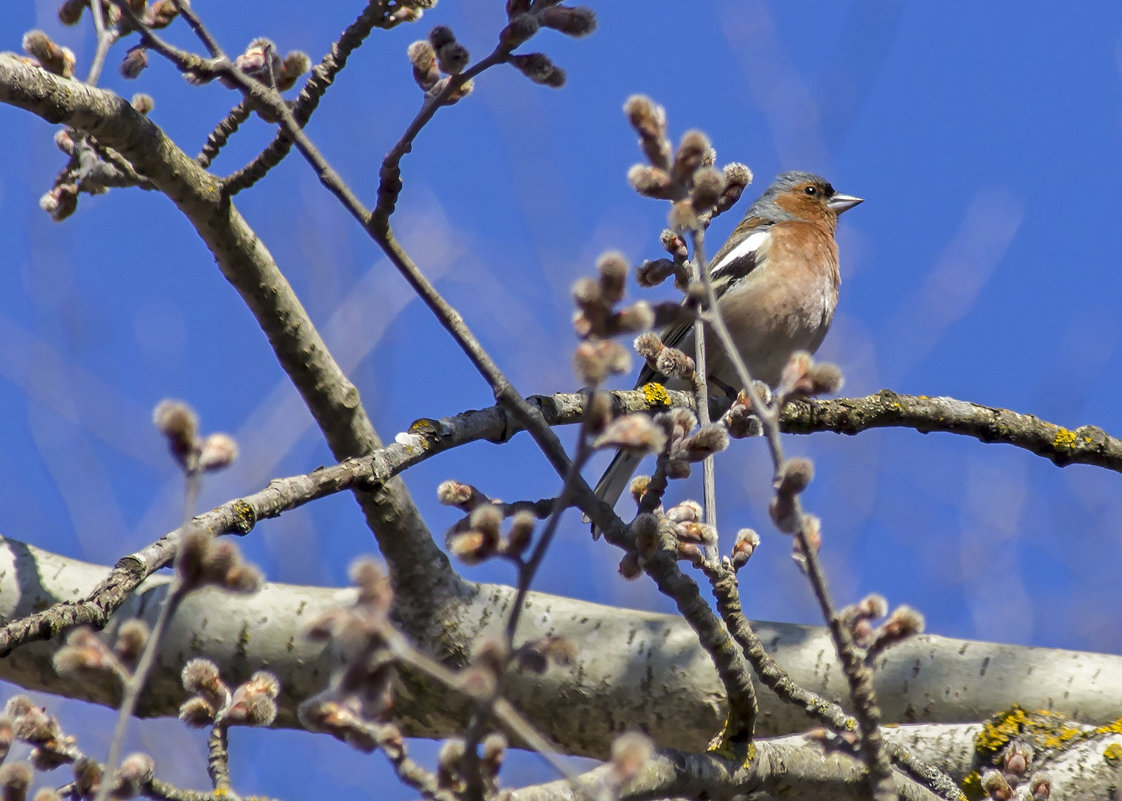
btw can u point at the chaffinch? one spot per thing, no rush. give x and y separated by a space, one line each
776 282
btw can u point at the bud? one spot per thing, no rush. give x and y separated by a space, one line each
691 155
161 14
15 779
633 432
577 22
470 547
131 639
219 450
197 713
794 476
452 58
674 363
494 750
747 541
440 36
652 182
60 202
783 513
737 178
826 379
51 56
448 763
423 58
539 68
613 268
260 61
520 29
295 64
142 103
647 118
70 12
593 361
708 186
629 566
702 444
683 217
178 422
464 497
137 769
521 533
995 785
630 752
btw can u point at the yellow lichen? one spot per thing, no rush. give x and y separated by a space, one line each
423 426
1000 729
972 786
1064 439
1114 727
656 394
1113 752
245 518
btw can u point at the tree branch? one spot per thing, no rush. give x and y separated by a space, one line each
245 262
662 682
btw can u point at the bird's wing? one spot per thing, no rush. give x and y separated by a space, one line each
738 257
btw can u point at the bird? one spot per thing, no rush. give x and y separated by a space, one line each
776 283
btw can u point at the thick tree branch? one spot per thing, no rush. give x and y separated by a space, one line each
662 682
777 767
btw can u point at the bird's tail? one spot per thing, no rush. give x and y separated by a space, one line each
616 479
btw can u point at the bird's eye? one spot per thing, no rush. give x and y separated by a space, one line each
811 190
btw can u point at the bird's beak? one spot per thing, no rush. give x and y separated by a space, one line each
840 203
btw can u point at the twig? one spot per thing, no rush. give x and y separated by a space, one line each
222 132
506 714
709 473
105 40
134 687
218 756
323 75
389 185
714 638
857 674
527 570
209 42
723 580
530 568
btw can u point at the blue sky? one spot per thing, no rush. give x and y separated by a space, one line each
984 265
